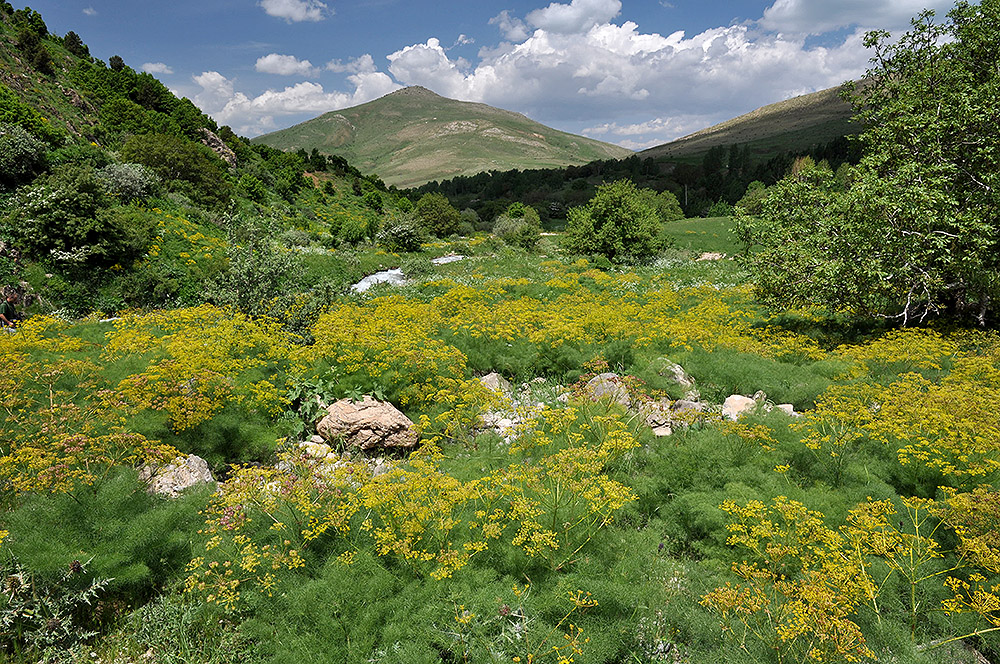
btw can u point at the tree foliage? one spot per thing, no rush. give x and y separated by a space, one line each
438 215
618 223
915 232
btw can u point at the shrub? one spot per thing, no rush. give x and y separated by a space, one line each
437 214
128 182
401 232
66 219
178 161
22 156
257 272
516 232
618 223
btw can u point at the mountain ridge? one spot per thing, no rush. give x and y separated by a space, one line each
413 136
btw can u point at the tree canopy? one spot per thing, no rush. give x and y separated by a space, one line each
914 233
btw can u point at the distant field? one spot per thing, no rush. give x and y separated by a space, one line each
704 234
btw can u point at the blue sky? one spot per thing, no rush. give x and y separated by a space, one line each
632 72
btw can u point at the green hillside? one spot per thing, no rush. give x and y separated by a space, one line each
794 124
414 136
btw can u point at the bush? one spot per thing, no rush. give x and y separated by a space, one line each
129 182
256 273
618 223
516 232
178 162
22 156
401 232
66 219
437 214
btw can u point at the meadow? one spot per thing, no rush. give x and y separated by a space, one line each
863 529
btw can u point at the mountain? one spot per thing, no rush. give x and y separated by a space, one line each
413 136
795 124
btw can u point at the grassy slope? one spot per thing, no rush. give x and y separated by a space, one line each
52 96
413 136
797 123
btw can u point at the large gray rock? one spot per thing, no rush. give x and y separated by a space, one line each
171 479
608 386
368 424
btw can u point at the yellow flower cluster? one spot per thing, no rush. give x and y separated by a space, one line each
199 360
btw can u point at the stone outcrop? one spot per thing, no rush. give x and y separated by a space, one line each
219 147
173 478
497 383
368 425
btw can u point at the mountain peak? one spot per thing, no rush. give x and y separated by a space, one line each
413 91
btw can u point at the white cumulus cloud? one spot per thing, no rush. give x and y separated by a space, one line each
255 115
284 65
156 68
90 11
361 65
577 16
295 11
511 27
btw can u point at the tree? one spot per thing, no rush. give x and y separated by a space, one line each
116 63
915 234
75 45
437 214
618 223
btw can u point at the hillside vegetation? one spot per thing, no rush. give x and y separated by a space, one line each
413 136
795 124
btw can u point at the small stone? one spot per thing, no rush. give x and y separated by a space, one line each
663 431
788 409
315 450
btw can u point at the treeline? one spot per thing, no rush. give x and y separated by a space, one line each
704 188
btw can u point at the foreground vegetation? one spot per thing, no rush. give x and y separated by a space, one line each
863 528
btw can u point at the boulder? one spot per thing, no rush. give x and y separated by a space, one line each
736 405
788 409
497 383
608 386
219 147
673 372
315 450
368 424
171 479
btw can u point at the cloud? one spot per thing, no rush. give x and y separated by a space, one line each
463 40
815 17
284 65
156 68
578 16
361 65
90 11
295 11
512 28
255 115
621 75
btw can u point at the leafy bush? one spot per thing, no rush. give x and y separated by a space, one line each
128 182
437 214
618 223
22 156
257 272
66 219
401 232
516 232
178 161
